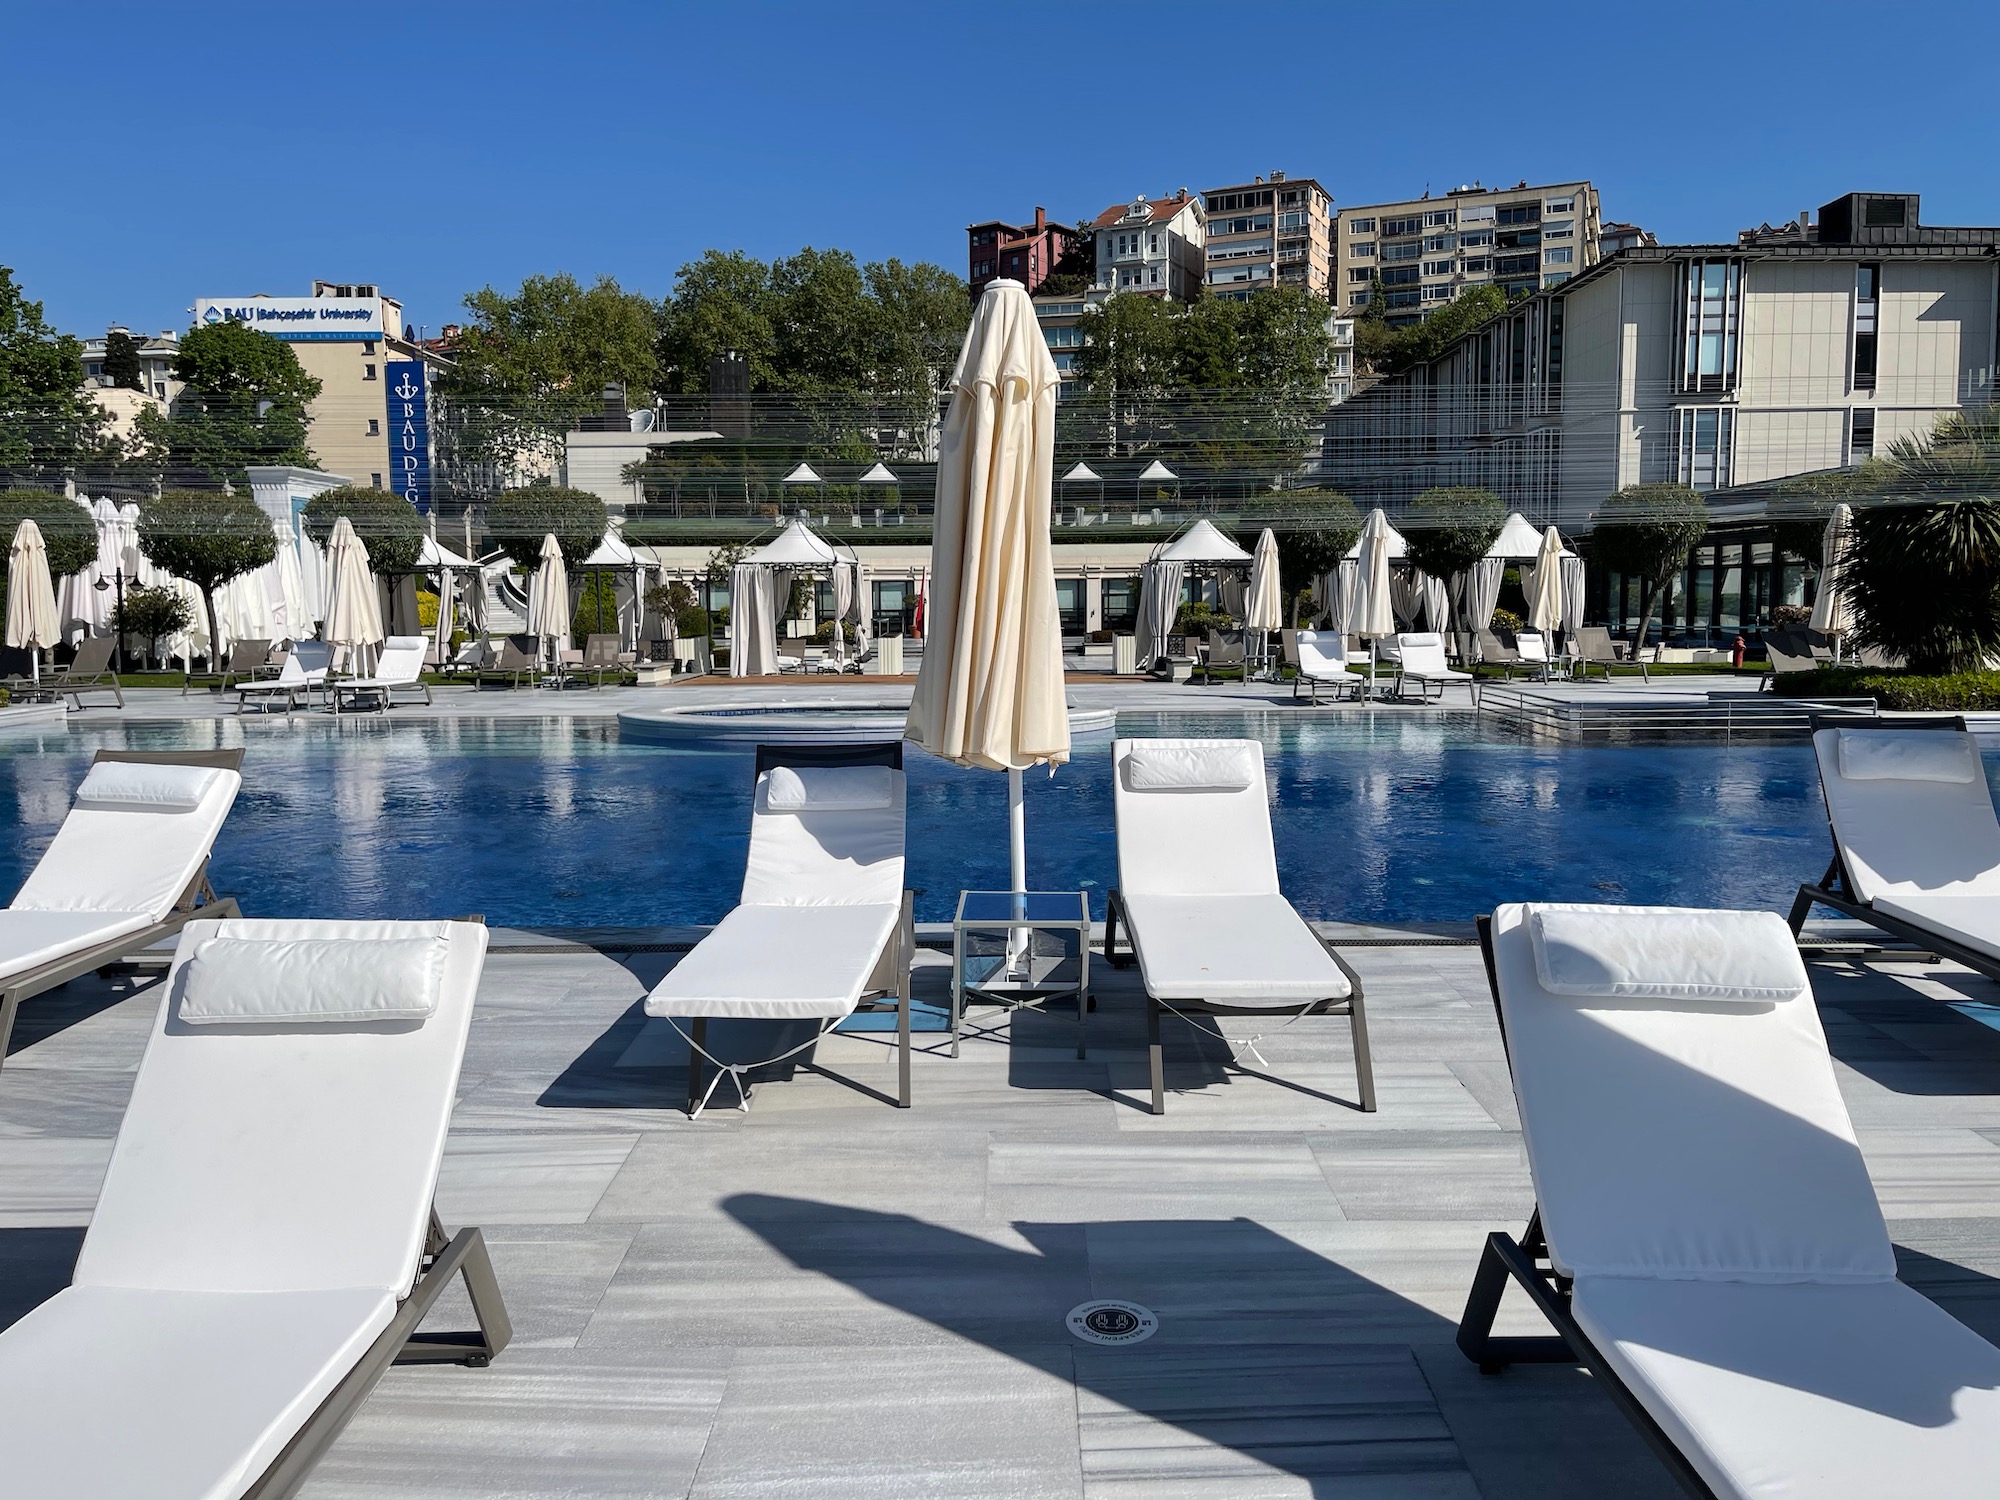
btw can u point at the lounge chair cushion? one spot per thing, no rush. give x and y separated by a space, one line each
130 859
779 963
1210 842
244 981
825 858
1908 755
1685 1139
1781 1392
1903 838
1970 917
144 787
829 788
1606 952
29 939
1246 950
1221 766
118 1393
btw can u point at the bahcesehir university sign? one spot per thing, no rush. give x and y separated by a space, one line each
296 317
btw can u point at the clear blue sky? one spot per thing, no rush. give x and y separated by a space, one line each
155 153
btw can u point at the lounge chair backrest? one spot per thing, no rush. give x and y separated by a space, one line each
1193 842
601 650
305 664
1493 649
1322 653
128 859
1422 652
1686 1139
1288 647
402 659
1789 652
1532 646
1902 836
93 656
1593 644
519 652
284 1156
1225 648
826 858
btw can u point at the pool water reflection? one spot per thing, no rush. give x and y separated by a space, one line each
555 822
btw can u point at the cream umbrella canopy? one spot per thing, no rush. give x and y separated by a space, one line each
548 600
1372 615
31 596
1832 612
990 690
1264 612
1545 595
353 608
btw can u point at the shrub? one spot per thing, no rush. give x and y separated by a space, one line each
1198 619
1790 616
677 599
67 529
1506 621
1899 692
388 525
518 520
1925 582
207 538
154 612
596 607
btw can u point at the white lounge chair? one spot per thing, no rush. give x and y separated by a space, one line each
1531 650
1199 902
1323 663
1706 1238
1916 845
304 668
824 927
401 665
1420 659
128 867
264 1244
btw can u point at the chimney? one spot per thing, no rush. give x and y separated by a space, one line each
1041 218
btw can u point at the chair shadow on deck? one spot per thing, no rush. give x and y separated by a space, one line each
35 1264
1909 1042
1274 1357
55 1011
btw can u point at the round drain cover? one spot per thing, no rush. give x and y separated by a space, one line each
1112 1322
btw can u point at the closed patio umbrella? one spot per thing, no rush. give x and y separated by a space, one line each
1264 611
1372 614
1545 593
353 609
548 600
1832 613
31 596
990 690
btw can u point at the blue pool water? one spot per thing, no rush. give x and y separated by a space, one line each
555 822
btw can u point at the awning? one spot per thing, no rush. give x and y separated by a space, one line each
1201 543
797 546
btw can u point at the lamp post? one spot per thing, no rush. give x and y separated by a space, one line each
119 648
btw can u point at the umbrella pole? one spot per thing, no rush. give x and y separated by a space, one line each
1017 858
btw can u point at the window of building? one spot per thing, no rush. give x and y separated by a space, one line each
374 427
1296 219
1518 213
1358 299
1555 278
1411 298
1884 213
1561 205
1362 250
1399 276
1154 275
1064 338
1473 238
1519 239
368 346
1154 244
1513 265
1439 218
1360 226
1555 336
1559 255
1559 229
1478 265
1119 604
1705 440
1360 274
1438 267
1412 225
1408 250
1712 296
1436 242
375 481
1867 303
367 372
1438 293
1860 434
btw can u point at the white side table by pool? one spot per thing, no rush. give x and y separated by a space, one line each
1020 949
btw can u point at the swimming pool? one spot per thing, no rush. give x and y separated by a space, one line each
559 822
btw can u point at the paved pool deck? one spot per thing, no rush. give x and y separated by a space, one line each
827 1297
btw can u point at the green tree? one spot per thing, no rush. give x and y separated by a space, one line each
532 363
1128 362
1449 529
722 301
206 538
388 525
518 520
67 529
152 613
1315 547
1382 350
1647 531
48 423
243 402
121 361
1924 580
826 328
922 315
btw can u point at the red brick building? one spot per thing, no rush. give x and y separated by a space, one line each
1020 252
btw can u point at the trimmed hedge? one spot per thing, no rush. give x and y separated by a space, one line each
1900 692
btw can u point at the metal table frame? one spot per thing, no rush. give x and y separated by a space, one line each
1024 993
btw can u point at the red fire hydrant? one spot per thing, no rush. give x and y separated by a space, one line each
1736 655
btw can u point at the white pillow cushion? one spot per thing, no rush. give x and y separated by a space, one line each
134 786
1222 766
239 981
1664 953
828 788
1908 755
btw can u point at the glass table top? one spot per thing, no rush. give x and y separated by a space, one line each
1022 906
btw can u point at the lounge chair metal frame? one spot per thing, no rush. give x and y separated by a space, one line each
87 673
526 661
198 902
893 993
1526 1262
1836 887
1353 1006
445 1257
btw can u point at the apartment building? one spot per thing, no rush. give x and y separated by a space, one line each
1061 320
1615 237
1792 350
1264 233
1155 246
1026 253
371 420
1427 251
156 362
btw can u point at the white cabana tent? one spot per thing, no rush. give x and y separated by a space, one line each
1479 585
797 546
1159 601
1154 473
753 644
613 554
881 473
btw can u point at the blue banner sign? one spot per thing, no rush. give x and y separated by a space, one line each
409 432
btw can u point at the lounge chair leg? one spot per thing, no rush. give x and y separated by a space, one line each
903 1042
1364 1062
1155 1061
10 1004
1112 906
699 1032
1501 1259
1801 908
